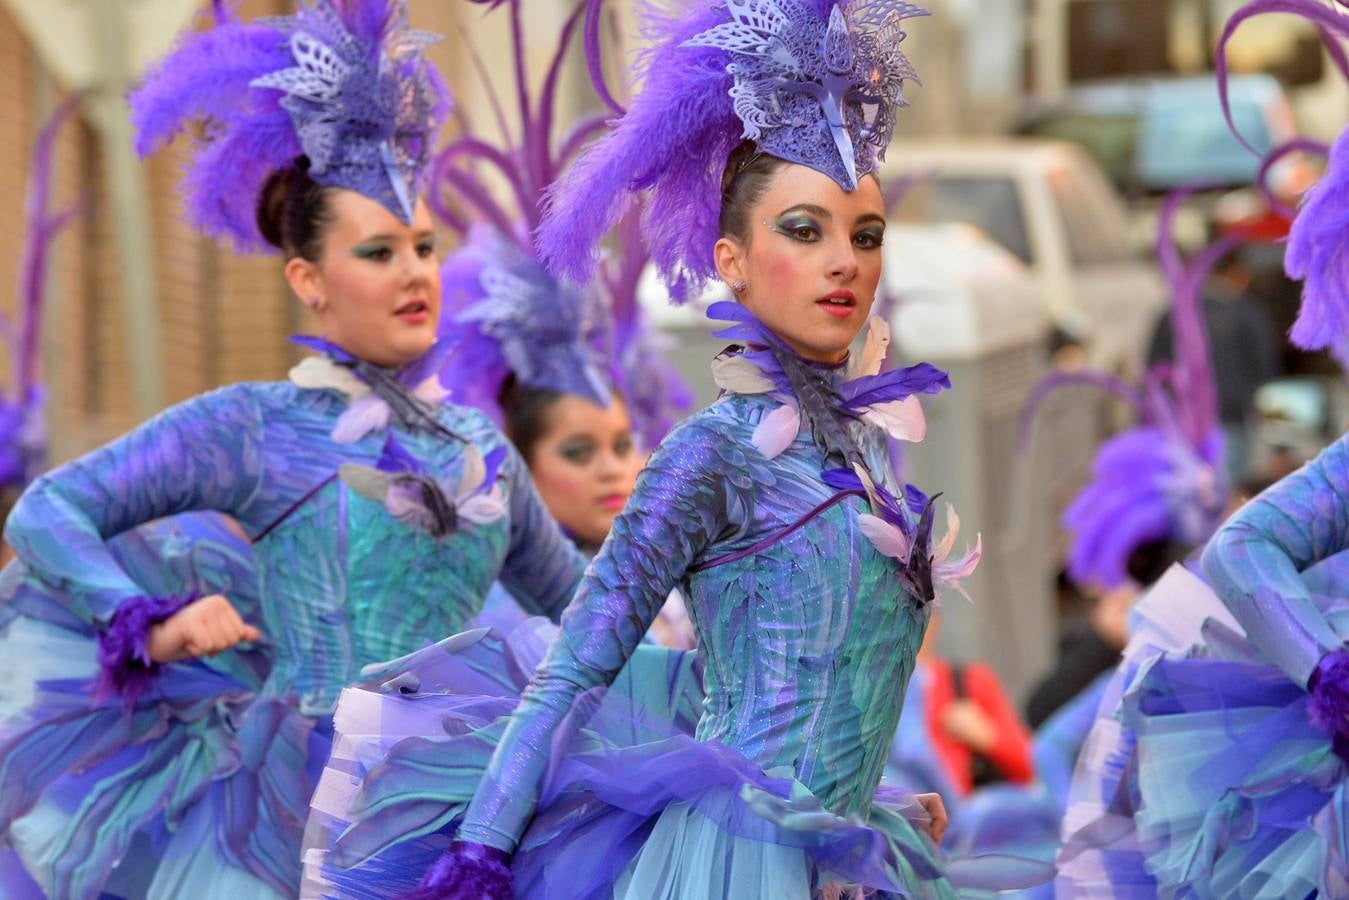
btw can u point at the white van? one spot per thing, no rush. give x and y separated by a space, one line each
1051 206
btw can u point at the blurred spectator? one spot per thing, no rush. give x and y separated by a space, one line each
1243 345
1092 644
974 731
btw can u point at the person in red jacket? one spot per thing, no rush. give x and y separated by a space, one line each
975 732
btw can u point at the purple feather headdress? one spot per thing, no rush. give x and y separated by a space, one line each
506 315
342 82
639 366
1318 244
1164 478
817 82
23 439
596 340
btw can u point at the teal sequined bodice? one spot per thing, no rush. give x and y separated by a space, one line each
807 633
343 582
809 642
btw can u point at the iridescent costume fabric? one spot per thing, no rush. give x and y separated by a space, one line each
807 635
201 783
1211 772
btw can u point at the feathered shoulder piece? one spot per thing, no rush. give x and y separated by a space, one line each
815 82
342 82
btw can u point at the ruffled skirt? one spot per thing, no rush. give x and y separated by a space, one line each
201 789
631 805
1204 775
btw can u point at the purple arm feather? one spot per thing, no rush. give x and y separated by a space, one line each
539 128
1296 145
595 56
1327 19
685 103
125 667
40 229
1057 380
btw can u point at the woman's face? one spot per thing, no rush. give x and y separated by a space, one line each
811 261
585 465
376 286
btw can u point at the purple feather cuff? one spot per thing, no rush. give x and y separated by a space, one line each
1329 708
467 871
125 667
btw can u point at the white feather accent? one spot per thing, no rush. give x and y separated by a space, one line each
740 376
776 431
483 509
873 351
320 372
903 419
965 566
402 504
369 483
886 538
951 574
475 470
367 414
948 540
431 391
870 486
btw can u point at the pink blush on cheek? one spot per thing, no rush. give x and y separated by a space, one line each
782 279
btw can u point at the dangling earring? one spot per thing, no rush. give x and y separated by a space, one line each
739 285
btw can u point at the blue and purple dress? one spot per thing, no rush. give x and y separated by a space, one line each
378 516
1213 769
807 634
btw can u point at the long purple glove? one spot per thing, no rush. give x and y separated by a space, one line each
467 871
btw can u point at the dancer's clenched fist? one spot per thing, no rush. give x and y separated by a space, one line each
204 627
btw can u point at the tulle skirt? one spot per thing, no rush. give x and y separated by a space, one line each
1204 775
631 805
200 790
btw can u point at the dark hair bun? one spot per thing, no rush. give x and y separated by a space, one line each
272 206
293 211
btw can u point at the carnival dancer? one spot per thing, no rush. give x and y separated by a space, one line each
379 514
809 570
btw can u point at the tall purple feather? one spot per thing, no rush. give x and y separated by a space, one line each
673 140
1162 479
655 393
22 434
530 159
1318 248
1318 254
